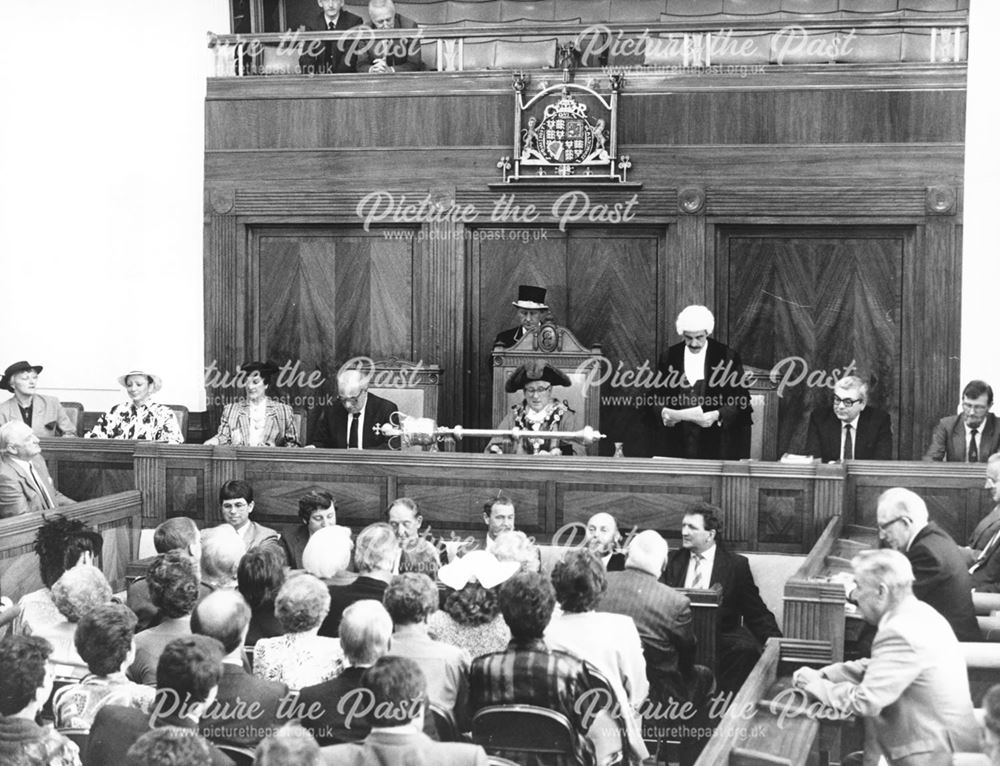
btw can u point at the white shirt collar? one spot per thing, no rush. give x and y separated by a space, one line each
25 464
694 364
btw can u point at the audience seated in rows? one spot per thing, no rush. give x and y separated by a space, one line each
221 552
299 657
25 483
376 559
43 414
471 617
316 510
259 577
79 590
140 417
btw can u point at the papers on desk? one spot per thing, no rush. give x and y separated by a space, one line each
690 414
788 457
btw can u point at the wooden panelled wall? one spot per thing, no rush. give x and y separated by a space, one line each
817 210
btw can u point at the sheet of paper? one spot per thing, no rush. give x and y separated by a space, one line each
692 414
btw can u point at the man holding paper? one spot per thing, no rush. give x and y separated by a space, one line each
706 411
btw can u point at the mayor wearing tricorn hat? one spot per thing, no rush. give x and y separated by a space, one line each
43 414
257 420
531 309
539 411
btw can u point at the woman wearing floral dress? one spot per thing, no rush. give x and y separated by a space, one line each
539 411
257 420
139 418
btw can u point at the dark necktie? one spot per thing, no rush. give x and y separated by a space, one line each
331 25
352 432
973 449
848 443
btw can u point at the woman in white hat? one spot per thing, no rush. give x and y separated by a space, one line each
539 411
139 418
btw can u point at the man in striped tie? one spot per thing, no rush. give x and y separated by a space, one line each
25 484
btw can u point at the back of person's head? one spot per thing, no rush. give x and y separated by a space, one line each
169 746
516 546
885 567
420 556
473 604
221 551
79 590
316 500
302 603
173 584
103 638
328 551
526 601
579 580
60 542
976 388
648 551
190 667
291 745
399 691
365 631
235 489
22 671
259 575
180 532
377 549
224 616
904 502
410 598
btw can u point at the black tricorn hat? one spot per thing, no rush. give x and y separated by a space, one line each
531 298
267 370
14 369
537 369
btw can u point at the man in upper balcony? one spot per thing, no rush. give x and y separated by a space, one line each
531 307
331 56
972 436
851 430
385 56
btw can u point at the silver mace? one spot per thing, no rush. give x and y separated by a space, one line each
424 431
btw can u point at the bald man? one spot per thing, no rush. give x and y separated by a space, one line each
25 484
603 540
663 618
350 423
225 616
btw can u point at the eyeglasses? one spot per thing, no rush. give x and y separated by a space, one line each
535 390
890 522
967 407
352 399
845 402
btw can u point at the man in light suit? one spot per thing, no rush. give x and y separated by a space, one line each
44 414
744 623
342 425
851 430
25 484
942 575
915 685
236 499
972 436
395 700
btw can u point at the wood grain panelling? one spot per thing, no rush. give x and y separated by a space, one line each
828 300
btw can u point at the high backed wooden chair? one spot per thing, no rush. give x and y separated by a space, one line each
75 412
764 400
183 415
560 348
414 390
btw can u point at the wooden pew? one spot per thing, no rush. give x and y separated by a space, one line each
117 517
704 622
87 468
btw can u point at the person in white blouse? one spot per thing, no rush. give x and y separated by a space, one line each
140 417
257 420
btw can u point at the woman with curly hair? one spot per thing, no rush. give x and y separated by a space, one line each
471 616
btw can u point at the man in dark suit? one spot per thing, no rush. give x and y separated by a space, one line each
972 436
25 483
984 542
187 678
603 539
744 622
331 57
385 56
397 688
939 567
705 374
851 430
350 424
225 616
531 307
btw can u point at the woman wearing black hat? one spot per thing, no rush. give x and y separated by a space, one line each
43 414
257 420
540 411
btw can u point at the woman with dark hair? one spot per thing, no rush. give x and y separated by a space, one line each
471 616
257 420
316 511
259 577
610 642
139 418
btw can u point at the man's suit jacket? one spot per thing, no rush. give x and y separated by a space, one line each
116 728
740 597
414 749
948 440
914 685
941 579
872 440
342 596
729 438
332 56
45 410
228 721
397 53
18 493
507 338
331 427
985 529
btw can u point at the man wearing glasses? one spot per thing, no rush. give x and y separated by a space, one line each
972 436
350 424
851 430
